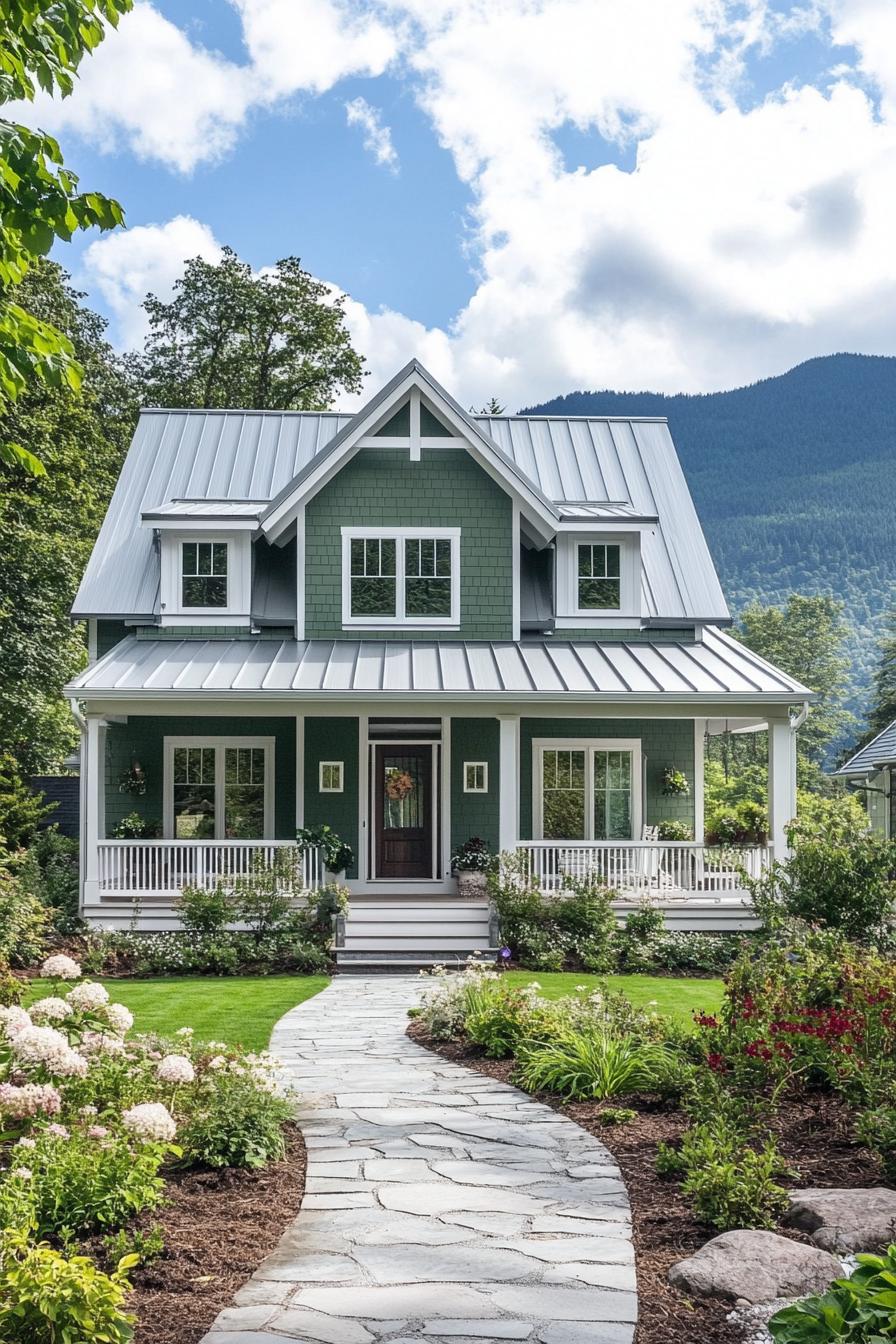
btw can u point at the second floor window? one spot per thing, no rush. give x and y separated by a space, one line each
204 574
403 577
599 583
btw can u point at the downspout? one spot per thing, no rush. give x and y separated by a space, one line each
800 719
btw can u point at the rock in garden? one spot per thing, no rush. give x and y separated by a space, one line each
755 1267
845 1220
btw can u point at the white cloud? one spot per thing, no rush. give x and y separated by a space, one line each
377 137
127 266
751 232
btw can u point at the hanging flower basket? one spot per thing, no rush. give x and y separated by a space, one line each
133 780
675 782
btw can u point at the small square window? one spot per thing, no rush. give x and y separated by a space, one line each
204 574
330 776
475 777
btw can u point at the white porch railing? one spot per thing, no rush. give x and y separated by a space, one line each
636 868
163 867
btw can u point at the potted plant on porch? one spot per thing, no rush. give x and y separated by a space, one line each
335 854
471 863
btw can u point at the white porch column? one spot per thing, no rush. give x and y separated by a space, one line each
509 781
781 782
699 811
94 758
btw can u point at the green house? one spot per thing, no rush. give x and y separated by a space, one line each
417 626
872 773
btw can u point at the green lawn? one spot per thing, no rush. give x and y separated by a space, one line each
677 998
240 1010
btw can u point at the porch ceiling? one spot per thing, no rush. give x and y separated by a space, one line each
715 669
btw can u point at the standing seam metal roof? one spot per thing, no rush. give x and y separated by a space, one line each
881 750
629 468
717 668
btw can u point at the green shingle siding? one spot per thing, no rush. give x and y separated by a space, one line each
445 489
663 742
142 739
474 813
333 739
108 634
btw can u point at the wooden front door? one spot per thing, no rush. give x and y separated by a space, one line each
403 811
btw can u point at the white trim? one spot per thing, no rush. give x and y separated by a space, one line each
426 441
92 635
331 765
300 572
414 408
365 769
566 596
300 771
239 579
476 765
588 745
781 783
445 796
515 563
218 744
399 535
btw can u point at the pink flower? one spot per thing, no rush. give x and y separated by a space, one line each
97 1132
22 1103
58 1131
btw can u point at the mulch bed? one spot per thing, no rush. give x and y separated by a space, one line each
218 1227
814 1137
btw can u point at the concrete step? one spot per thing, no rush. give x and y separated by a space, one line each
356 962
374 943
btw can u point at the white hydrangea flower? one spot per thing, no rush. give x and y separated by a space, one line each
150 1121
26 1143
29 1100
184 1031
23 1173
120 1019
175 1069
218 1062
88 997
48 1047
101 1043
12 1020
50 1009
88 1111
61 967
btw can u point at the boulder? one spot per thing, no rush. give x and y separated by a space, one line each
845 1220
748 1267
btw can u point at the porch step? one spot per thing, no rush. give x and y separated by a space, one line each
413 935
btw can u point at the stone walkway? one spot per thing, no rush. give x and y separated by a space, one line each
439 1206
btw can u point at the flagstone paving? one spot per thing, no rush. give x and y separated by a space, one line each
440 1205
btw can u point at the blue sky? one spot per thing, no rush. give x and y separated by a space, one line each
531 196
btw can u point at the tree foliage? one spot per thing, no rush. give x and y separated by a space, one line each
231 337
48 524
883 695
43 45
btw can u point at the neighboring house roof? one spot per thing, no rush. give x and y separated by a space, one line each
624 469
880 751
713 669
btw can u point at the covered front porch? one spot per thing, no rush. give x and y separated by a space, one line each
191 799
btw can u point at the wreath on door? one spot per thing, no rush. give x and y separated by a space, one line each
399 783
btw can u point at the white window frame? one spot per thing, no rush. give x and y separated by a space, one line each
569 613
239 579
267 744
330 788
400 535
589 745
475 765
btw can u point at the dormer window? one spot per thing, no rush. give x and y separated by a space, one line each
204 574
599 582
401 576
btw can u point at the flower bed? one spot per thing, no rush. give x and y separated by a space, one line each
103 1137
710 1126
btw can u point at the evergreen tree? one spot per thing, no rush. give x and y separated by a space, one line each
231 337
883 695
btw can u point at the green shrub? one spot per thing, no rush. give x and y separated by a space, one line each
205 911
858 1310
617 1115
578 924
336 854
729 1179
49 1298
137 827
746 823
49 872
80 1183
135 1245
876 1129
21 809
591 1065
674 830
12 989
235 1122
847 885
23 923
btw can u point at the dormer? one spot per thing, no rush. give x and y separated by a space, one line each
205 560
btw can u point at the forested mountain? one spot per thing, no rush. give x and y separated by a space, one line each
794 478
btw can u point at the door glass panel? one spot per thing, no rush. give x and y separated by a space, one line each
404 801
612 795
194 793
244 793
563 798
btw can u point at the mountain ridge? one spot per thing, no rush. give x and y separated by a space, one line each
794 480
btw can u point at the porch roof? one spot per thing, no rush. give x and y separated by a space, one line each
716 669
